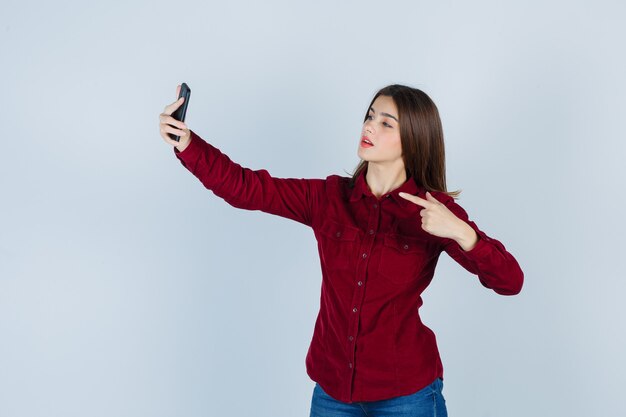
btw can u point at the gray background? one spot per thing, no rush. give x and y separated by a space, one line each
128 289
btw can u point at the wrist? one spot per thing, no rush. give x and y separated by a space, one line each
183 143
466 237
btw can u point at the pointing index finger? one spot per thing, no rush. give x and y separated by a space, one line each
417 200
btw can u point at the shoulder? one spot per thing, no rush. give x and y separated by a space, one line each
451 203
442 197
337 185
337 181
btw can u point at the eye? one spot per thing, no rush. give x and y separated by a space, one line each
387 124
368 117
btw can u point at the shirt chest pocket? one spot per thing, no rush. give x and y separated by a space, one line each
402 258
338 245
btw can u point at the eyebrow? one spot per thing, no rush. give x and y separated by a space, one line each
385 114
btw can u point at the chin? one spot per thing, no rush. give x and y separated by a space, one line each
363 157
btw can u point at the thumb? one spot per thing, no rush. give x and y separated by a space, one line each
173 107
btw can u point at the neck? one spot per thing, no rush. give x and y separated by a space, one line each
382 179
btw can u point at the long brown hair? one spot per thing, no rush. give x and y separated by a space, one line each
421 136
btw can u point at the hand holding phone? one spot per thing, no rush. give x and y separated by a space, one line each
180 113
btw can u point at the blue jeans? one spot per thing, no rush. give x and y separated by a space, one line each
428 401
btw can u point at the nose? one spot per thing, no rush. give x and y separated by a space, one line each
368 129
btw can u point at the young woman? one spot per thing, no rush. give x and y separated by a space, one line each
380 234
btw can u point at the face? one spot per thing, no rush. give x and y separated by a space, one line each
383 130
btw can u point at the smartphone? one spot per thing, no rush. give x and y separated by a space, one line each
180 113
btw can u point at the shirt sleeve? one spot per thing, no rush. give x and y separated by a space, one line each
248 189
496 268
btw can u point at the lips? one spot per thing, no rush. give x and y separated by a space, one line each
366 142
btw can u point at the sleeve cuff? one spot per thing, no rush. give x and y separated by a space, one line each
191 150
480 248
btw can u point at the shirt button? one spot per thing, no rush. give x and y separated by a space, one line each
360 283
371 231
375 206
354 310
338 234
406 247
364 255
350 338
350 365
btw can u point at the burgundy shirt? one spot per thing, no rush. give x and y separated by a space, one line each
369 342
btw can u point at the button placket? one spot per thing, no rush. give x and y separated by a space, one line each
365 251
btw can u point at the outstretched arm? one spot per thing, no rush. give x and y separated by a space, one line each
250 189
241 187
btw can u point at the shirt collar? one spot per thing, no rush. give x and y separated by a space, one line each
361 190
